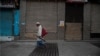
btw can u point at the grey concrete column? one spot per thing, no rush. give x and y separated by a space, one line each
61 17
22 17
95 18
86 21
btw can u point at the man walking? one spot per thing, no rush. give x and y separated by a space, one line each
40 40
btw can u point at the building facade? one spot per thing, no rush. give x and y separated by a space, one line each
64 20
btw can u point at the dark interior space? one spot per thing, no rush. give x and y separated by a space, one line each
95 35
74 13
94 1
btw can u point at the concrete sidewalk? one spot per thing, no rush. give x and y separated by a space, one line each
17 48
24 48
78 49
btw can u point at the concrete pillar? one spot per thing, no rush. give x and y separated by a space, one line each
86 21
61 17
22 17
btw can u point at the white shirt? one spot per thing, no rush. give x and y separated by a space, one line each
39 32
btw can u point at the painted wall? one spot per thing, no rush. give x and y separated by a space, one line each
6 25
16 22
6 22
9 24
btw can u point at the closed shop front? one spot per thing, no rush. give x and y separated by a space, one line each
47 13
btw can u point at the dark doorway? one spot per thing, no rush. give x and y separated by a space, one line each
74 21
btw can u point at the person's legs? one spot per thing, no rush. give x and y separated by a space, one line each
44 44
39 43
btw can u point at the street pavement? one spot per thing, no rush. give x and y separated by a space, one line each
24 48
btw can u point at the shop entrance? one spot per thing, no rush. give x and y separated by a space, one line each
74 21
